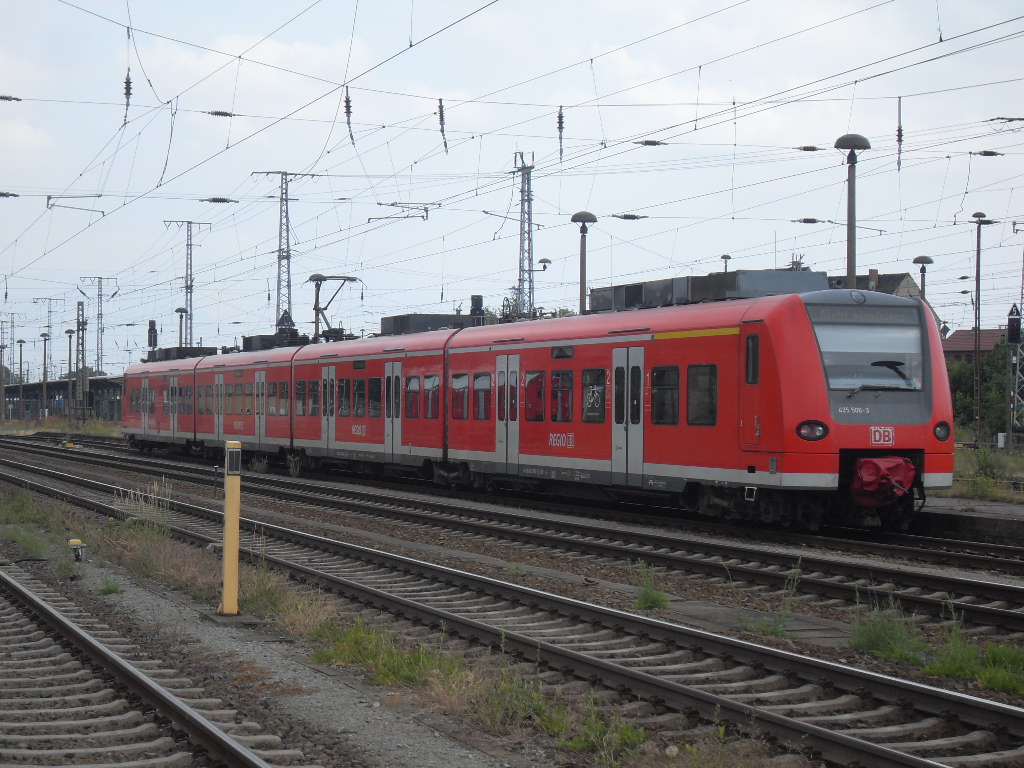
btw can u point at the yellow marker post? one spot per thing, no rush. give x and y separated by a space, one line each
232 513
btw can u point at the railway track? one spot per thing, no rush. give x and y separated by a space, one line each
72 692
984 603
839 713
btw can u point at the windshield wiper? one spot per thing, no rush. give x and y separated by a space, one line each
892 365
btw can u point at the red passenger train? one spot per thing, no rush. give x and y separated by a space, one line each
832 405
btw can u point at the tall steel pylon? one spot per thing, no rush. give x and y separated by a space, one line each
284 251
1017 366
83 379
525 287
189 280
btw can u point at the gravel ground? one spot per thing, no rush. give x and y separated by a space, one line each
328 712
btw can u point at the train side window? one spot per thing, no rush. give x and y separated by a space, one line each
398 396
534 396
620 395
229 398
460 395
702 395
513 395
482 396
282 408
328 390
188 400
359 398
200 400
431 397
240 398
248 397
412 397
151 404
165 400
387 397
753 358
561 396
300 398
211 403
593 395
501 395
376 390
313 397
272 398
636 389
344 397
665 395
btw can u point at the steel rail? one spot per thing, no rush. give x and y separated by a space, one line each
197 728
834 746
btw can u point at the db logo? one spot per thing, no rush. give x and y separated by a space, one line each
883 436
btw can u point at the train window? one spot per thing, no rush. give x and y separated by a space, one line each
460 395
753 358
344 397
328 389
313 397
282 403
240 398
412 397
534 396
376 390
620 395
165 400
300 398
561 395
188 400
636 389
398 396
359 365
501 396
387 397
665 395
482 396
593 395
513 395
431 397
151 397
702 395
229 398
359 398
248 397
272 398
561 353
200 400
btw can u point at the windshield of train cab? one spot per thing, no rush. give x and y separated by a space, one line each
869 347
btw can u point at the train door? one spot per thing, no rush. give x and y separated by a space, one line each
218 406
328 413
506 442
173 400
392 411
260 407
627 415
147 395
750 389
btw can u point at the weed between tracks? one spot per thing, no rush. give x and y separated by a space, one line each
887 632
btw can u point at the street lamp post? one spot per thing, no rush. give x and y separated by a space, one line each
725 262
43 405
979 219
21 380
924 261
67 406
583 218
852 142
3 382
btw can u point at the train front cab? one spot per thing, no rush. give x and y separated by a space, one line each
879 394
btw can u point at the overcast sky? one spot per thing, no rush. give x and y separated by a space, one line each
425 210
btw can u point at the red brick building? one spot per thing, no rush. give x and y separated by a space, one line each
958 347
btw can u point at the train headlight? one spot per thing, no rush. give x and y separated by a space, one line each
942 431
812 430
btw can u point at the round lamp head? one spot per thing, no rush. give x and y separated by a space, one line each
583 217
852 141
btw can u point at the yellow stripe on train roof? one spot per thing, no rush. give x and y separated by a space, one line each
734 331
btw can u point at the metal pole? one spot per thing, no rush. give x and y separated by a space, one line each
583 269
851 220
977 334
67 406
21 380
